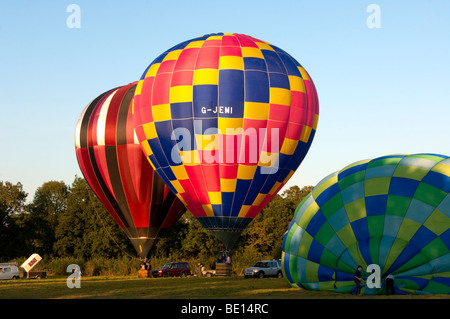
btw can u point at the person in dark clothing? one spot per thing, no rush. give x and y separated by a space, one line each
358 280
389 285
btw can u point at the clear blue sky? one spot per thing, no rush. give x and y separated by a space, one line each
381 90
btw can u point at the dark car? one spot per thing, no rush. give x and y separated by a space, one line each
173 269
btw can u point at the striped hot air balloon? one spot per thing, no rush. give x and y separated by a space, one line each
114 166
225 120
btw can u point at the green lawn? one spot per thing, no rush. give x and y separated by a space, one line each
235 287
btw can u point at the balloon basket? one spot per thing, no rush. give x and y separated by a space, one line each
224 269
144 273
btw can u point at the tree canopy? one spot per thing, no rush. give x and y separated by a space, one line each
69 221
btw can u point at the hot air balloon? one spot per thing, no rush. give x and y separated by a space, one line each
225 120
114 166
390 213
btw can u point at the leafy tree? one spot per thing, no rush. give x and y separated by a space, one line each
86 229
12 202
49 202
266 231
198 242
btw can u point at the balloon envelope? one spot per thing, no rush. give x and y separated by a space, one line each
392 211
114 166
225 120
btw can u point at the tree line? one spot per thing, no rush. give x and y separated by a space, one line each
69 221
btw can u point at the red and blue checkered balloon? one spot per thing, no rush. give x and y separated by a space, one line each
225 120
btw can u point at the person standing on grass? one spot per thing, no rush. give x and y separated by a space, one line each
358 280
390 285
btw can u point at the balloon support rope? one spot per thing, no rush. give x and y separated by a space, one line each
109 234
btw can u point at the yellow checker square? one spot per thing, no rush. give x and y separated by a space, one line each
308 214
441 168
152 70
161 112
180 172
176 184
416 173
146 147
316 121
346 235
228 185
138 90
304 74
256 110
259 199
231 62
195 44
206 77
306 132
248 52
305 242
328 183
437 222
296 83
280 96
182 93
149 130
355 164
246 172
207 142
190 157
407 229
244 210
230 126
154 168
207 208
172 55
215 198
356 210
264 46
215 37
289 146
267 159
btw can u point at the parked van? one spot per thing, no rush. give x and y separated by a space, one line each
9 271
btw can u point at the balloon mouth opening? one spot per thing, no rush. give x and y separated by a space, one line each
143 245
228 237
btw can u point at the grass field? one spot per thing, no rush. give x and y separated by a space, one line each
235 287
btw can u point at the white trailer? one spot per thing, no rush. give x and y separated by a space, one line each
29 264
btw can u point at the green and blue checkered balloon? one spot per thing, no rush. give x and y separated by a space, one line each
392 211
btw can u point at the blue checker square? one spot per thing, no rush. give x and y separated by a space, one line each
181 110
257 87
438 180
403 186
257 64
274 63
376 205
279 80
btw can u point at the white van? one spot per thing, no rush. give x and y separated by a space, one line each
9 271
